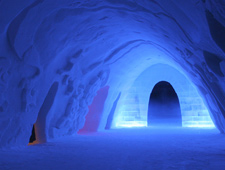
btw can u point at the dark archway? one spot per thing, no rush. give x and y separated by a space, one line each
164 107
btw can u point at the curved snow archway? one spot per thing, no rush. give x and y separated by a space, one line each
132 108
40 125
164 106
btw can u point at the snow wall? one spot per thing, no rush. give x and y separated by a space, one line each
56 55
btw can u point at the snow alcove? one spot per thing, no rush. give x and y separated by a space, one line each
112 85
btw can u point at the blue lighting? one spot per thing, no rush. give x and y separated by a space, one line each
131 124
132 108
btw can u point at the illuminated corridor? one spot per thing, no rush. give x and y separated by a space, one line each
89 81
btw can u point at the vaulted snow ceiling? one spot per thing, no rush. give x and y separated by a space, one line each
55 55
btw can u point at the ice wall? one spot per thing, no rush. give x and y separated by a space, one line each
84 45
132 109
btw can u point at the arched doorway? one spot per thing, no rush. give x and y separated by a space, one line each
39 128
164 107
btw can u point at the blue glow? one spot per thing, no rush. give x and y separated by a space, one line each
131 124
206 125
132 107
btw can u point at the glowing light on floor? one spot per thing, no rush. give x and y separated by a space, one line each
131 124
202 126
132 108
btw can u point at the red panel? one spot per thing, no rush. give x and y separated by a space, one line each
95 111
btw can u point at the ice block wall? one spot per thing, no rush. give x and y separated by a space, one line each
132 109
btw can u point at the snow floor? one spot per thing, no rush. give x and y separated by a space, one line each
124 149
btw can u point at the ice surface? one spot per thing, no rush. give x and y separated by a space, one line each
146 149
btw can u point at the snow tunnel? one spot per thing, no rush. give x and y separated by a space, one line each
164 107
92 65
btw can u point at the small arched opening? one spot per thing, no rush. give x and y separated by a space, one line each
164 107
39 128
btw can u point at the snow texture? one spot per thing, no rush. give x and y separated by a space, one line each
56 55
127 149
